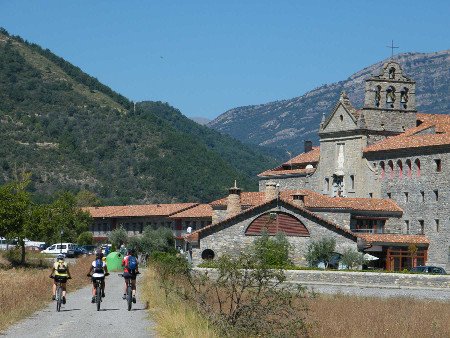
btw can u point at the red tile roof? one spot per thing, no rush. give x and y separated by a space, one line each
201 210
394 238
315 200
296 165
139 210
417 137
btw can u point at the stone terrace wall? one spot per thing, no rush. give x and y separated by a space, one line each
374 279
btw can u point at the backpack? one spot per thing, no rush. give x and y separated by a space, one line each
132 264
62 268
98 266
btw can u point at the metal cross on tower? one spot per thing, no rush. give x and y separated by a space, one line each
392 47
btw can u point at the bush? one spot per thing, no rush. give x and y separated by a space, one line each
272 252
85 238
352 258
320 251
157 240
118 236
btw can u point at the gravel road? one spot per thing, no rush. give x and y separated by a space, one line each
80 318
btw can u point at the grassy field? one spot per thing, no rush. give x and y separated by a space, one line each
26 290
328 316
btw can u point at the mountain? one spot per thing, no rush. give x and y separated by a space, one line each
201 120
286 124
72 132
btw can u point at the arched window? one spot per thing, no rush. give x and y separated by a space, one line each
391 169
377 99
392 73
400 168
417 167
208 254
408 168
404 97
274 222
390 97
383 170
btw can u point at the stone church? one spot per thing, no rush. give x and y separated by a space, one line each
378 182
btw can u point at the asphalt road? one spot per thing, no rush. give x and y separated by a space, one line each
80 318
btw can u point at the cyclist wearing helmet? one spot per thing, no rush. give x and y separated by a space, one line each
60 271
129 272
98 270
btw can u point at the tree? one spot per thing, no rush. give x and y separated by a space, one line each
352 258
273 252
86 198
118 236
320 251
15 212
85 238
157 240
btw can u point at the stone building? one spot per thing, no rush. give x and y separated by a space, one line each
379 181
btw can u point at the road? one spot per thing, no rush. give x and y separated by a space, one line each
80 318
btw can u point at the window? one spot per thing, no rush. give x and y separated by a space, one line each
383 169
417 164
341 117
389 195
436 221
406 197
370 194
438 165
326 186
408 168
436 195
400 168
352 181
391 169
407 227
422 194
422 227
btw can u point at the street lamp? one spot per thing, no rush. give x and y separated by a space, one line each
60 248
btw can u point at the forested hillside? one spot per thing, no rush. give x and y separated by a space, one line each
72 132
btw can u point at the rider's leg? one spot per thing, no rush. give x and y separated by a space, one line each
103 287
133 287
125 289
63 286
54 289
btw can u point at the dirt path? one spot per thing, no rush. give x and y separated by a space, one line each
79 318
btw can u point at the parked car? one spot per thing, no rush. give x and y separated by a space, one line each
429 269
80 251
90 249
65 248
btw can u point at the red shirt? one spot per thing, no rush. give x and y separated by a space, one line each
125 264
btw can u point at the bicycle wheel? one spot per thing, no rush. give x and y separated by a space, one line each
129 297
98 296
58 298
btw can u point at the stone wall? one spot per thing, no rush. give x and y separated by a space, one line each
371 279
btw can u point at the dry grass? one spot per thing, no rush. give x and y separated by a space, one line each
174 317
346 316
23 291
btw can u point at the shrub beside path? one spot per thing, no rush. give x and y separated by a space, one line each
80 318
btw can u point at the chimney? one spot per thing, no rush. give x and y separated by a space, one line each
234 201
308 146
271 191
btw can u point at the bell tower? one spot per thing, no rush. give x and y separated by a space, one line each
390 101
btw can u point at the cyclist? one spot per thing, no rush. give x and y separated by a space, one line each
130 271
60 271
98 270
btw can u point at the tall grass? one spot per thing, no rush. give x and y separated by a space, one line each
26 290
174 317
359 317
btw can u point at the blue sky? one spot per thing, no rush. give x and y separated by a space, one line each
205 57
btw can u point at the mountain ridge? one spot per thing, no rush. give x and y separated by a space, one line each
286 123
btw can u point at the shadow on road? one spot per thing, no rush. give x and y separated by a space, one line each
68 310
109 309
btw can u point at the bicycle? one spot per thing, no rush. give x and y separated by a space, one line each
98 290
59 297
129 294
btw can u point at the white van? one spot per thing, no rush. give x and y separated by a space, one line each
65 248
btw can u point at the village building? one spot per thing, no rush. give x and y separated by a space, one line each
378 182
